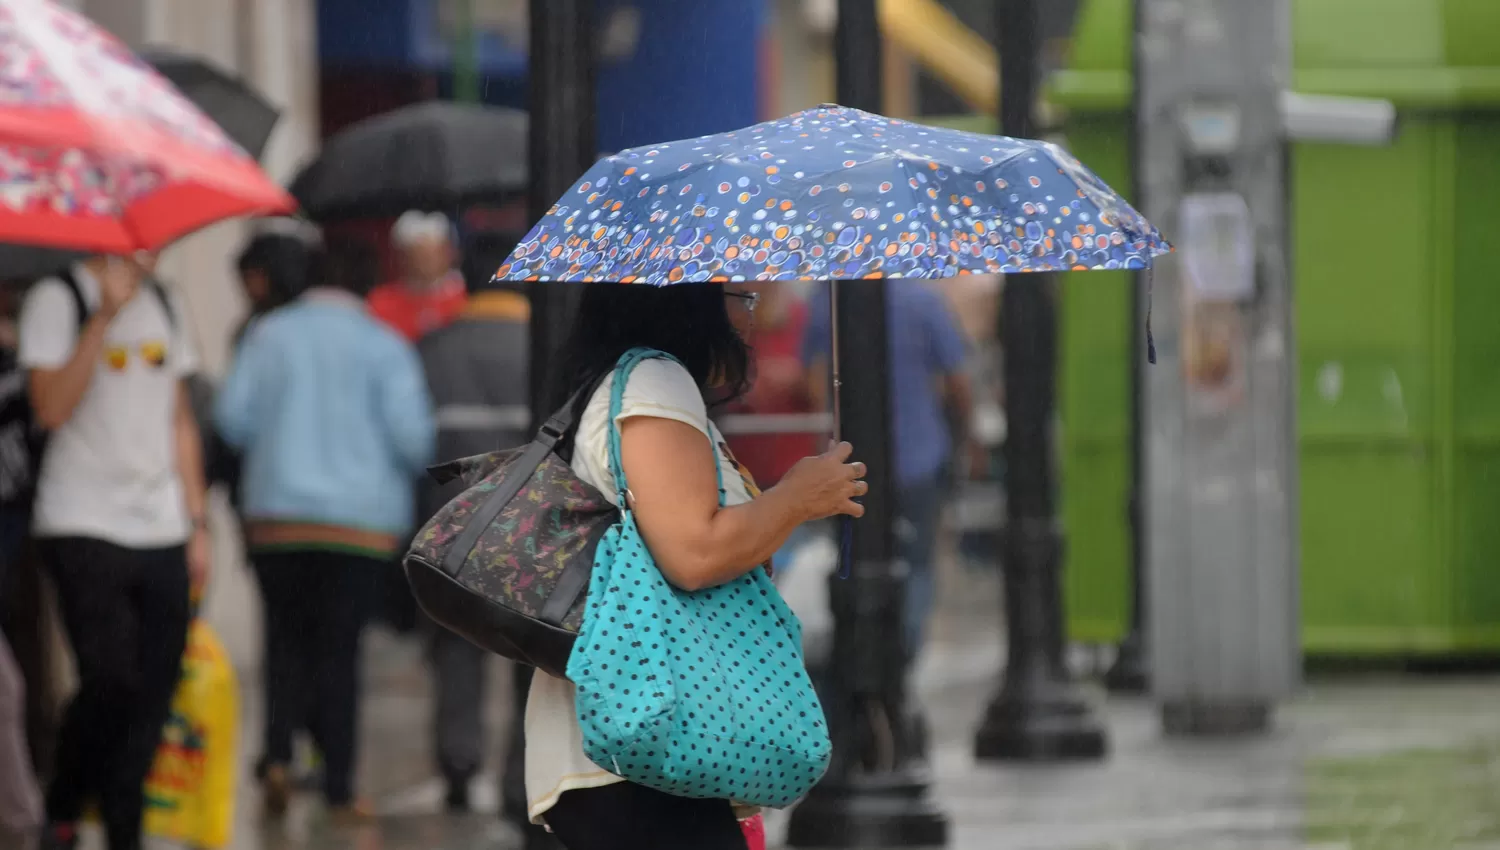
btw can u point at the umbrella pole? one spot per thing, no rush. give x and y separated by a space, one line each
846 524
833 314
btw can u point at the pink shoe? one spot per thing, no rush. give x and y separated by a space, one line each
755 832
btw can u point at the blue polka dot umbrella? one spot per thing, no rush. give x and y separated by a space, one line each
834 194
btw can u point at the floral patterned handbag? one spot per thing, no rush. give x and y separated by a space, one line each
506 563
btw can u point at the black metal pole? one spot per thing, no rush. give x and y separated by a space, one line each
561 148
1131 672
1038 713
875 794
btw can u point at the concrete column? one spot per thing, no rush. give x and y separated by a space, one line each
280 56
1218 412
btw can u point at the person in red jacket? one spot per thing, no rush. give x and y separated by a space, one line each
780 383
430 292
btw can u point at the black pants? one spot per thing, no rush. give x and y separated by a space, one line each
626 816
126 612
316 604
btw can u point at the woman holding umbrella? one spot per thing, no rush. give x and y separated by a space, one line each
670 451
827 194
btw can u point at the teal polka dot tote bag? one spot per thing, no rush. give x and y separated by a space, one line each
700 694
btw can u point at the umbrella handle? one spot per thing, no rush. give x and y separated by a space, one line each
846 523
846 546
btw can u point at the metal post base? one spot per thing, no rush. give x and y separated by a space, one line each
1129 674
1038 714
1215 718
1063 728
891 810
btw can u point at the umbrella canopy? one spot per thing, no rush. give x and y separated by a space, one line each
98 152
433 156
834 193
238 109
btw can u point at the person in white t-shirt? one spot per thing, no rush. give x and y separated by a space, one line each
669 449
119 514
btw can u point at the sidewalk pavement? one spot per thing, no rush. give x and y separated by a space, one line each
1373 763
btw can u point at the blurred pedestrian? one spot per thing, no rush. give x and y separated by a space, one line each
781 387
478 375
120 515
331 413
699 534
427 294
21 812
273 270
430 292
20 448
932 404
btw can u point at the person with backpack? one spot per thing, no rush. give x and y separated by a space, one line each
120 517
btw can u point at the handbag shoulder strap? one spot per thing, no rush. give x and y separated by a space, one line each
623 370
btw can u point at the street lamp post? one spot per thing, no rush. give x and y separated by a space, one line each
874 795
1038 714
561 148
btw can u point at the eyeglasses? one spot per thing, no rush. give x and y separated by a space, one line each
751 299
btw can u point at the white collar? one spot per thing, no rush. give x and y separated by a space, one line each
334 295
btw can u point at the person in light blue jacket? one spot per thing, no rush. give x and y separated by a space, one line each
331 413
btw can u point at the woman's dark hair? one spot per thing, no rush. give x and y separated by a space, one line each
283 260
346 263
688 321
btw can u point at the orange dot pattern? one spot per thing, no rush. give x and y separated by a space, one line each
834 193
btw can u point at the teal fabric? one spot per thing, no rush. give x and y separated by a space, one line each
699 694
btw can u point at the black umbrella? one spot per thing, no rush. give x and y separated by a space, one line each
432 156
237 108
27 262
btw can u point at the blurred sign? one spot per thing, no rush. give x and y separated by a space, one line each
1218 245
1211 129
509 20
1342 120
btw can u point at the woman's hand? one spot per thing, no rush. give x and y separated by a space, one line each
827 485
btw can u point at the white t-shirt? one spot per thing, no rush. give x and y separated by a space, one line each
555 761
110 471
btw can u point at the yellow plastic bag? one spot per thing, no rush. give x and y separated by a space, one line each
190 791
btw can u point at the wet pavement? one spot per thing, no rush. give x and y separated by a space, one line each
1361 763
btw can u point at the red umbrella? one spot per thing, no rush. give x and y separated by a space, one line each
98 153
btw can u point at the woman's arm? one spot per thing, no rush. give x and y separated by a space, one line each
671 468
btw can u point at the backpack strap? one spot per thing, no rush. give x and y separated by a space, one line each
81 307
83 312
165 300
